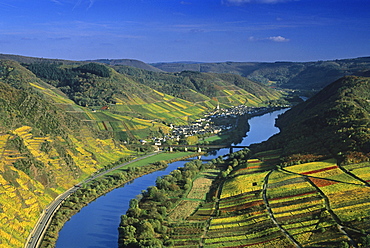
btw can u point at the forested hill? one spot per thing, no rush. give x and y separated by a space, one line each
196 86
128 62
294 75
335 122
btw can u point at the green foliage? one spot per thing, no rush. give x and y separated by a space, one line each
145 221
53 72
335 122
79 83
94 68
188 84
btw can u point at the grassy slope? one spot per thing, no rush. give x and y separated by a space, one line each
307 201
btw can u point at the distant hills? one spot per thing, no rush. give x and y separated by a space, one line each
128 62
313 75
294 75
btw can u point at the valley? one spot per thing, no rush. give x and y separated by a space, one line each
64 121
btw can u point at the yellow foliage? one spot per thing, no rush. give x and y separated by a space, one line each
311 166
242 184
179 105
37 86
159 93
23 129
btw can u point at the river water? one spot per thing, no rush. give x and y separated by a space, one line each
96 225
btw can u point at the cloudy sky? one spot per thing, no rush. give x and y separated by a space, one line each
188 30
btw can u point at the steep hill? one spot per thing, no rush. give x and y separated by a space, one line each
335 122
44 150
227 89
294 75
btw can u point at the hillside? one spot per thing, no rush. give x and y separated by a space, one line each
44 150
293 75
335 122
61 122
227 89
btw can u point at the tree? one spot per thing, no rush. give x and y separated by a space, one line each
365 241
127 232
344 244
145 230
191 140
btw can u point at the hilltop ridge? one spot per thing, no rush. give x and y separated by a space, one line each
285 74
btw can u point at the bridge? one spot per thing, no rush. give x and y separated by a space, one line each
200 147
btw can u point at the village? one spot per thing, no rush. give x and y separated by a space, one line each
212 123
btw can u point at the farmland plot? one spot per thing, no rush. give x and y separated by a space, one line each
242 184
296 205
194 209
361 170
247 223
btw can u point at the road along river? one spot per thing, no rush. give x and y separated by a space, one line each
96 225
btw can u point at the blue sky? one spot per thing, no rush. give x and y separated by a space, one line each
186 30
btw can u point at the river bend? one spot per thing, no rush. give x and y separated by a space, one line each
96 225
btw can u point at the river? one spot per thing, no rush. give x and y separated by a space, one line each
96 225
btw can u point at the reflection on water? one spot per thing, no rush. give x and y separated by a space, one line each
95 226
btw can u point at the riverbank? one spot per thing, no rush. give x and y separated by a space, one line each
238 132
93 189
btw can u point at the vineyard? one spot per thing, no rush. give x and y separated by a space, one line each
260 204
22 198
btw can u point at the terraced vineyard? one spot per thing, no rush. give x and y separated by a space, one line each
22 198
316 204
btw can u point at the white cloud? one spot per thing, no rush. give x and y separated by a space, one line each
56 1
278 39
240 2
78 3
271 38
